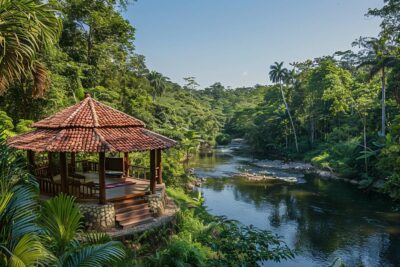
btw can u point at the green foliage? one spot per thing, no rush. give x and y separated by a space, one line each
180 252
200 239
61 221
392 186
6 123
28 28
223 139
246 245
23 126
20 244
182 198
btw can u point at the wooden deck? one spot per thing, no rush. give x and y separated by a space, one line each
139 187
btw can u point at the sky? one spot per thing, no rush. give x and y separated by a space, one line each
235 41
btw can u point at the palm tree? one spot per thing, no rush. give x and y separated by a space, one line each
158 82
27 29
278 74
379 60
19 241
61 221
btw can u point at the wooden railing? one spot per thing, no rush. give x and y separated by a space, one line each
83 191
42 172
76 188
48 187
86 166
139 172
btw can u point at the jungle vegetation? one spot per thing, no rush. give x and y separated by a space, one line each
52 52
341 112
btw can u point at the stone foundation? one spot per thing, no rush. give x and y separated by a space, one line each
157 202
98 217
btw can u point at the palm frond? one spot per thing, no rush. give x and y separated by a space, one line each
29 252
40 79
96 255
61 219
97 238
27 29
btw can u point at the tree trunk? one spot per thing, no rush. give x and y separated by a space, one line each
290 117
312 131
89 47
383 132
365 145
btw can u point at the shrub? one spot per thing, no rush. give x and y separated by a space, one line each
180 252
223 139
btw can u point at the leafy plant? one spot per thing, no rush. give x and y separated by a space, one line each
62 225
20 244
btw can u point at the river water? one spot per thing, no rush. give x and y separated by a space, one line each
321 219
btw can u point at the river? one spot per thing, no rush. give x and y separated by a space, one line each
321 219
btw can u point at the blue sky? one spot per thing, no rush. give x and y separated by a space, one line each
235 41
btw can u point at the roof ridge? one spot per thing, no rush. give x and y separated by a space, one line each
103 140
94 113
116 110
73 114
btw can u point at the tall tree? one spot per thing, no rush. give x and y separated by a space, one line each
27 29
191 83
277 74
379 59
158 82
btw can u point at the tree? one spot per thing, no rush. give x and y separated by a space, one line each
277 74
379 60
191 83
27 29
363 101
158 82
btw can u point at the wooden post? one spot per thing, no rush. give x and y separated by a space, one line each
159 167
64 172
73 162
126 164
153 172
50 160
102 178
31 161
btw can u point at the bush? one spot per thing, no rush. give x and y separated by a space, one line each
180 252
392 186
223 139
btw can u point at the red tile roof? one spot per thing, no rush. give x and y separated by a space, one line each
88 113
90 126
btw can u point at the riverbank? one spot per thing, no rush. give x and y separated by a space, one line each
323 217
197 238
306 168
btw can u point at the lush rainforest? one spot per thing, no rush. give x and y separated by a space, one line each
340 112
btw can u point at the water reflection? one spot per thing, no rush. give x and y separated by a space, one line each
321 219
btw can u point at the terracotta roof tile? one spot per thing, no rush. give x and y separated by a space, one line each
90 126
88 113
90 140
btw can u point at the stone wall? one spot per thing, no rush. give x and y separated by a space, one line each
98 217
157 202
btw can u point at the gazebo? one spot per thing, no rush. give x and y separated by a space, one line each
91 127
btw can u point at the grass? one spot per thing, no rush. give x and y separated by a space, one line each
183 199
